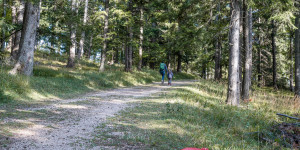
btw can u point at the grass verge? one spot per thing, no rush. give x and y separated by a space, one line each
197 116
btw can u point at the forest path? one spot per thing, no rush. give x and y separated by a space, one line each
69 124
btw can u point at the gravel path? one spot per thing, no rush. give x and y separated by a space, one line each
78 118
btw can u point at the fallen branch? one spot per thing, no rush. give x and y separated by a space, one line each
288 116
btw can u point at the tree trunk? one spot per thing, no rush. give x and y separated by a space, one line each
218 60
122 59
72 52
218 52
259 76
291 65
14 21
126 57
297 56
233 95
81 46
141 38
20 16
88 54
248 56
103 58
179 68
242 40
38 26
3 33
24 64
274 55
130 49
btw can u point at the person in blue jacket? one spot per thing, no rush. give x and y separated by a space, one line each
163 69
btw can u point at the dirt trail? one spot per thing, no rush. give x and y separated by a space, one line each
78 118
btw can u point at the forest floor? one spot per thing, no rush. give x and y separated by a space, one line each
71 123
187 114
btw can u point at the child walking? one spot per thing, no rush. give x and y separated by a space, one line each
170 76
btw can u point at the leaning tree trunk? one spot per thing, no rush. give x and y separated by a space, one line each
233 95
274 55
81 43
141 38
16 41
297 57
103 58
24 64
72 51
3 33
248 56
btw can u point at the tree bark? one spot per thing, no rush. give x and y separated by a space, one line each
297 56
260 39
25 61
14 21
72 52
88 54
126 57
248 56
233 95
218 52
38 26
274 55
141 38
130 49
20 16
3 33
103 58
82 40
291 66
218 60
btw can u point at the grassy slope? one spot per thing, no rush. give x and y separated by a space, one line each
197 116
52 80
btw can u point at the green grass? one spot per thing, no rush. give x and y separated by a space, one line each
197 116
51 80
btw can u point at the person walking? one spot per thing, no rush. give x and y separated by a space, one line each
163 69
170 76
